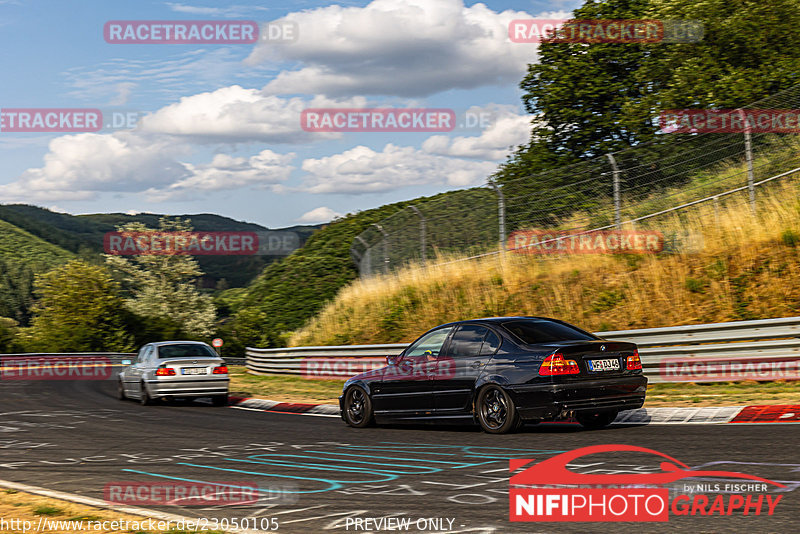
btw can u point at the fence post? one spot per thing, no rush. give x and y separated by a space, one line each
422 232
617 202
365 259
748 154
385 247
501 213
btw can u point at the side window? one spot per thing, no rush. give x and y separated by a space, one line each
490 344
431 341
148 354
142 354
467 341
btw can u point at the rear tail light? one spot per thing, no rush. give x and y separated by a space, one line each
634 362
555 364
165 371
221 370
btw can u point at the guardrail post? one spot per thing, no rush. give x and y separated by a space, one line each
422 232
748 154
617 201
501 214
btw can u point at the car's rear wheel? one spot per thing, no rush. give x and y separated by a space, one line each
145 398
120 390
596 420
220 400
357 407
496 411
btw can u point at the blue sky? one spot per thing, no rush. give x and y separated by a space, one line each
219 124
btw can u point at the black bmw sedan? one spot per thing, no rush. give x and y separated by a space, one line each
500 372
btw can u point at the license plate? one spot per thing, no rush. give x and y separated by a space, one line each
194 371
604 365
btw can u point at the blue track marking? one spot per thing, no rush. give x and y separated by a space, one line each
354 460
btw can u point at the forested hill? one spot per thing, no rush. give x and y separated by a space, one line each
82 235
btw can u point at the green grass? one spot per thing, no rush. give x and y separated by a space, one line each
47 510
723 394
284 388
297 389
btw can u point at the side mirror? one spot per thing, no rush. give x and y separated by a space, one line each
392 359
126 362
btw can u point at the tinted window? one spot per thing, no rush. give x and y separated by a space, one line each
490 344
533 332
467 341
187 350
431 341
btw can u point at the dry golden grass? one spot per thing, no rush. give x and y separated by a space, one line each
23 510
731 265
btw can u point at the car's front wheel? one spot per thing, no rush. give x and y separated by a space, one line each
357 407
496 411
120 390
596 420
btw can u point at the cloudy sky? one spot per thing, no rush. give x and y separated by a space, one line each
191 128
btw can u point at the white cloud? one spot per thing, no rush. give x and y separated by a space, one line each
236 114
228 11
362 170
161 78
318 215
505 131
224 173
124 90
77 167
391 47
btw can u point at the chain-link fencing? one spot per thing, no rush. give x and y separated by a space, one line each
699 156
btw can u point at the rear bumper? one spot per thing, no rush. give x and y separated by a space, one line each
188 388
546 402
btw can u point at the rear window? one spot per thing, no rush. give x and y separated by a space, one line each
535 332
187 350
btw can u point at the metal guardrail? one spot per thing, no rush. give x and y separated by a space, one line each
762 349
114 357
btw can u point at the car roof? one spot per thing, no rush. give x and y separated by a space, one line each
162 343
499 320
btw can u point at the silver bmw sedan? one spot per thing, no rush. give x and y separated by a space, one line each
171 369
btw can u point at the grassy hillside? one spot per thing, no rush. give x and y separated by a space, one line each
291 291
739 266
21 247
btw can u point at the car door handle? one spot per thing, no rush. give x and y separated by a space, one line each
476 365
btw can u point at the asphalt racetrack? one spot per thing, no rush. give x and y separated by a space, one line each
315 474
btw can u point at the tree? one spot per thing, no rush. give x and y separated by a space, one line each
591 99
750 50
164 286
79 310
8 335
16 291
